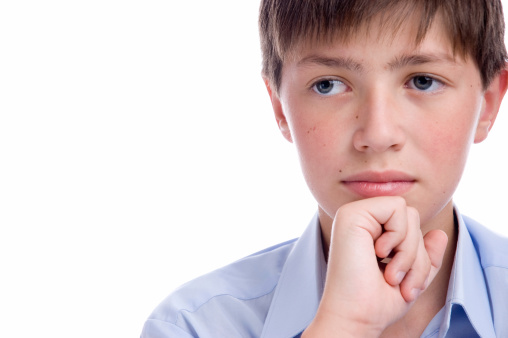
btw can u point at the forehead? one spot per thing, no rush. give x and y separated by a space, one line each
379 34
372 52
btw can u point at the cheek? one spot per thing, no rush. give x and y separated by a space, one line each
446 141
306 130
314 145
317 127
318 144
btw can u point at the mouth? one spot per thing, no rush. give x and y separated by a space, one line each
373 184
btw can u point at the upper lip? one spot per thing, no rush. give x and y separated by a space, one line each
380 177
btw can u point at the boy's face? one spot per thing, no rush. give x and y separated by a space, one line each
381 116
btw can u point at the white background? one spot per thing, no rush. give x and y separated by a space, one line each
138 150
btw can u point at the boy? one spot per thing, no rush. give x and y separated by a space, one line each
382 100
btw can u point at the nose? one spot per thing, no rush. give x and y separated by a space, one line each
379 127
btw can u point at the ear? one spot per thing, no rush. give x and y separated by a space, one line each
492 99
279 113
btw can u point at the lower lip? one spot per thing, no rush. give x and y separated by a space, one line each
374 189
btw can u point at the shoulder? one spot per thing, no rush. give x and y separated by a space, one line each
241 290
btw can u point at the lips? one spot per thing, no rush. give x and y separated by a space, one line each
373 184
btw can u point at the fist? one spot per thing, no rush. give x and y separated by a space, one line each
378 264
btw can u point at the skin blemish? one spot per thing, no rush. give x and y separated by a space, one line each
357 117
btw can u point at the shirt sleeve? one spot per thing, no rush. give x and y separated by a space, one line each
154 328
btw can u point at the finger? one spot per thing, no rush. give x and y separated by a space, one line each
371 213
435 242
415 280
406 251
426 266
395 229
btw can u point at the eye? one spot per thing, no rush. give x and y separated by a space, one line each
329 87
424 83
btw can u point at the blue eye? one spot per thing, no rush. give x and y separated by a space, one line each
424 83
329 87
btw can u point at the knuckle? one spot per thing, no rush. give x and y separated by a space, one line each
399 201
413 214
345 209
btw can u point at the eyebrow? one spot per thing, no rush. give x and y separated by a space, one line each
397 63
419 59
334 62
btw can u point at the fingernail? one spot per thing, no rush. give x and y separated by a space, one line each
400 276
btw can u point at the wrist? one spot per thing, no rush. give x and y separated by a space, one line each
335 327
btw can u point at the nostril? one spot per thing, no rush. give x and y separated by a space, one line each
378 139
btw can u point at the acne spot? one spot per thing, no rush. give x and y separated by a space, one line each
311 129
340 170
357 117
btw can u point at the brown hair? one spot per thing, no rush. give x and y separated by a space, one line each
475 27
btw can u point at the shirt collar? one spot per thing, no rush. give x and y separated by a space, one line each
467 287
300 286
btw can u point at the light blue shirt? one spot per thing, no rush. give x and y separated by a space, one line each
276 292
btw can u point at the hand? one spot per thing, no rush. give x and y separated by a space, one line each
362 297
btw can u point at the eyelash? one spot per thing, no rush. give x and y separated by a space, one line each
332 81
433 80
408 84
